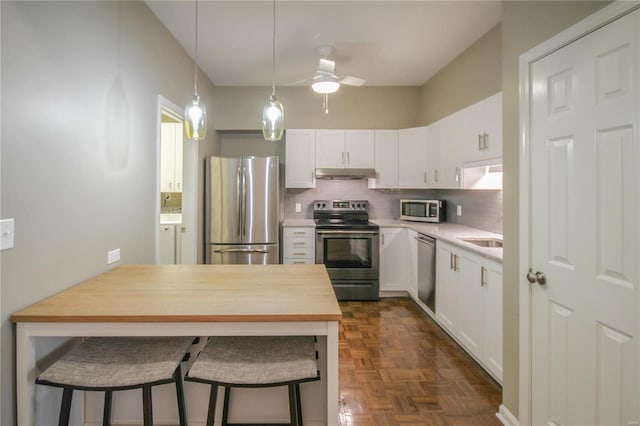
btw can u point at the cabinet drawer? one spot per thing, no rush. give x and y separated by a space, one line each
307 232
288 261
297 243
299 252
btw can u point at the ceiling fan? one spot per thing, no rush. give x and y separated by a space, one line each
325 80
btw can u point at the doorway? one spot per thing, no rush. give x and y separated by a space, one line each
176 186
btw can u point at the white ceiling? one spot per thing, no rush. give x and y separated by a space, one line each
388 43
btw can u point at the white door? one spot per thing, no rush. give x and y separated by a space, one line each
584 216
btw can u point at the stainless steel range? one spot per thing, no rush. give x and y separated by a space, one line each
347 244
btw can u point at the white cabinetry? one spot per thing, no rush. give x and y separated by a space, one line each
298 245
412 269
300 158
393 259
386 159
171 157
450 165
344 149
482 129
412 157
469 289
167 245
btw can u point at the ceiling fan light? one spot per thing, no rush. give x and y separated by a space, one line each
195 119
273 120
325 86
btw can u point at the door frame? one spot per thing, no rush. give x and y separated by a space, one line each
189 184
588 25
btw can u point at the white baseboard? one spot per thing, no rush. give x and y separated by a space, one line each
505 416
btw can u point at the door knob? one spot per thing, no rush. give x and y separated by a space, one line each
538 277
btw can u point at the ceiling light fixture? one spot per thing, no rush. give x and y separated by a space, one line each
325 84
273 112
195 114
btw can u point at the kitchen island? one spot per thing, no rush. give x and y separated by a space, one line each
185 300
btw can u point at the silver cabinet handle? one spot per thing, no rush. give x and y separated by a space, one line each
299 233
457 174
425 177
485 141
483 276
455 262
451 261
435 175
348 159
343 157
479 142
382 238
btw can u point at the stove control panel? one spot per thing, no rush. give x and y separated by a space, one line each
341 205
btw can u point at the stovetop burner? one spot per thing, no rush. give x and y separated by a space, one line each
342 214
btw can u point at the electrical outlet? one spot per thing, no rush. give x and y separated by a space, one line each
459 210
298 207
113 256
7 234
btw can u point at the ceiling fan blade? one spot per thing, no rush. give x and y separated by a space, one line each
300 82
327 65
352 81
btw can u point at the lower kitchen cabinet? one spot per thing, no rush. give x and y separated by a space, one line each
393 259
298 245
469 289
412 270
167 241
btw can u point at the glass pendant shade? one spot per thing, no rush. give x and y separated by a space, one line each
273 120
195 121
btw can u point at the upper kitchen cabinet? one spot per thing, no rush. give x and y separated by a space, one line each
386 159
171 157
336 149
412 157
482 129
300 158
449 174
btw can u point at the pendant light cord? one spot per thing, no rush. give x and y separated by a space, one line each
273 51
195 84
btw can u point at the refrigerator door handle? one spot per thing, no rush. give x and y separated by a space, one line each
238 206
244 201
241 250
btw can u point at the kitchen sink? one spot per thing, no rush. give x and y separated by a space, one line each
484 242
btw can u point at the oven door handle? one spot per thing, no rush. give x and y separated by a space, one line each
349 233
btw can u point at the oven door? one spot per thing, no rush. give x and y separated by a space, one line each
348 255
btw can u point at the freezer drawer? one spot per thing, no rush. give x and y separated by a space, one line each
253 254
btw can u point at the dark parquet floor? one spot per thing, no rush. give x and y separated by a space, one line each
397 367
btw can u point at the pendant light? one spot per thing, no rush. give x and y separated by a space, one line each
195 114
273 112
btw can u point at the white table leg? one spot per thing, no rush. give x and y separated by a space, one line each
332 374
25 375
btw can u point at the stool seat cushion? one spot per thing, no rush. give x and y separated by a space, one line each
113 362
256 360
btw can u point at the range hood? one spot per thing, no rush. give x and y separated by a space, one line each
328 173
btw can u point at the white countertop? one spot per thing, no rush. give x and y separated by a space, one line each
449 232
303 223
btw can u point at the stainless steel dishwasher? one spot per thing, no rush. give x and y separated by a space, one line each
427 271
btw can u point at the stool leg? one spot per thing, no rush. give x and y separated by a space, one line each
65 406
213 399
293 405
298 404
177 375
106 410
225 407
147 406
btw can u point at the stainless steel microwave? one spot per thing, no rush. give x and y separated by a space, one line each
423 210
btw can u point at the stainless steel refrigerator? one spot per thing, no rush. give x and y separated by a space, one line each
242 210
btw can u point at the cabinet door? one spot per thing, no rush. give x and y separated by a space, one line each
167 157
412 157
330 149
450 168
470 327
447 302
178 149
482 129
492 319
393 259
386 159
434 143
300 158
167 245
359 148
493 127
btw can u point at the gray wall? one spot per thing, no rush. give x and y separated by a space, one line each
71 204
525 24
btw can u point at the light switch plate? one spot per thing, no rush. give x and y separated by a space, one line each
459 210
7 233
298 207
113 256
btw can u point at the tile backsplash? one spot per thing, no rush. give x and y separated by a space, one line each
481 209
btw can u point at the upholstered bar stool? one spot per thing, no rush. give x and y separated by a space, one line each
119 363
253 362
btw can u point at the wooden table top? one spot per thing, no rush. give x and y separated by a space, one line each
193 293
